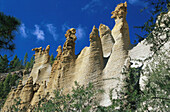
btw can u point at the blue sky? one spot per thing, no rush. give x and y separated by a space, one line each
44 22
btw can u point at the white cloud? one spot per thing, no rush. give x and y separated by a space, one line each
65 27
23 31
80 31
52 30
39 33
91 4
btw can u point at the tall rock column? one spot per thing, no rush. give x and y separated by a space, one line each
89 64
42 68
12 96
27 93
106 39
112 74
63 68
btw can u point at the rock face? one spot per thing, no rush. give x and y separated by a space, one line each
42 68
89 64
106 39
23 93
142 51
28 89
26 94
62 69
119 54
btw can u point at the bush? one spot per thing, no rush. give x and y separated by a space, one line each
81 99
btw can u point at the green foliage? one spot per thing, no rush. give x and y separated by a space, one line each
11 65
21 64
155 95
132 89
51 59
152 29
5 87
14 79
81 99
27 66
8 25
31 62
25 58
55 58
15 64
16 107
7 84
157 85
3 64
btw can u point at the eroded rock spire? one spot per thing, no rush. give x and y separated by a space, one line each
120 11
106 40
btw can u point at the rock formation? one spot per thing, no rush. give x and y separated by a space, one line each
28 88
115 64
23 93
106 39
90 61
103 59
66 68
14 94
42 68
62 69
101 63
26 94
143 53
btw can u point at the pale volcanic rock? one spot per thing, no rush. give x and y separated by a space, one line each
142 51
23 93
89 63
63 68
113 70
26 94
42 68
106 40
14 94
39 93
9 102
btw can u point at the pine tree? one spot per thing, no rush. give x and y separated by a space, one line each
11 67
13 79
16 64
21 62
27 66
6 85
1 89
25 58
55 58
8 25
51 59
3 64
31 62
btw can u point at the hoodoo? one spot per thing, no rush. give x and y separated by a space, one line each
119 54
103 59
